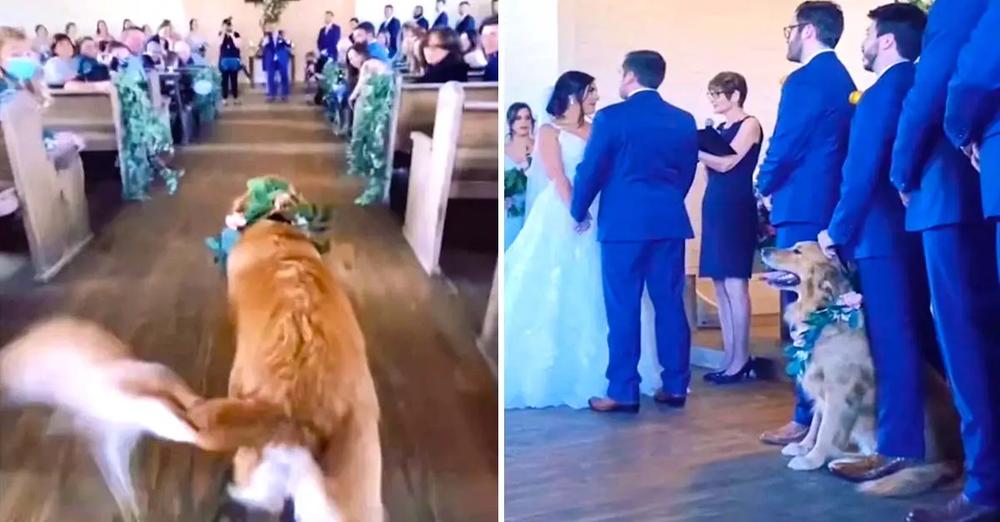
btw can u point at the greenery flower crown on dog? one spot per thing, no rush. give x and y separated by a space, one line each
846 310
270 198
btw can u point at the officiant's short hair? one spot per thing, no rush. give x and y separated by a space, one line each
905 22
729 82
648 66
826 17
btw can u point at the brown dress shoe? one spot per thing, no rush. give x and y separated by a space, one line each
787 434
674 401
872 467
960 509
605 405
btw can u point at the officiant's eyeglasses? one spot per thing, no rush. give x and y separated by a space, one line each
788 30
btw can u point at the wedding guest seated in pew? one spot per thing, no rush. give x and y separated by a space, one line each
186 57
42 44
62 67
472 52
444 58
91 73
489 37
103 36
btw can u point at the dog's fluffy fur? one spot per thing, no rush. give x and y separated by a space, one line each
840 379
300 383
99 392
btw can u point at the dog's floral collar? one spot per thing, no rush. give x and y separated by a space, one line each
846 310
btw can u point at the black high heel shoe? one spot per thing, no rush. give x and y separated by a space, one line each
744 373
710 376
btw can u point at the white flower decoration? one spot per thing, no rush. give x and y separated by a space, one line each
236 221
851 300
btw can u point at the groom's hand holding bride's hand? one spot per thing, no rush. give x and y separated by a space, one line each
584 225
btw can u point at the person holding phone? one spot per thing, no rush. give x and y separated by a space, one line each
230 62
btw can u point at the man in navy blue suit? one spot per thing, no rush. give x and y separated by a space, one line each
466 23
801 172
326 42
641 158
418 18
941 191
442 15
868 227
392 26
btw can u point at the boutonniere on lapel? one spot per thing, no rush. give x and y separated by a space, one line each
855 97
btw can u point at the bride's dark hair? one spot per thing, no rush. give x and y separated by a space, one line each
572 85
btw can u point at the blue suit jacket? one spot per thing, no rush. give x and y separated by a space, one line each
943 186
327 41
392 25
441 20
422 22
492 71
641 158
804 158
972 113
276 47
870 220
466 24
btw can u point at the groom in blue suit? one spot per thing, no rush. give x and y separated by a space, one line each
641 158
801 171
868 227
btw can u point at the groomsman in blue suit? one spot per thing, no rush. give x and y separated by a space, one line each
442 15
392 26
418 18
329 37
277 58
641 158
801 172
941 190
868 227
466 23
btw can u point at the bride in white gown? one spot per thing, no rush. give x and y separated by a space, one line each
555 326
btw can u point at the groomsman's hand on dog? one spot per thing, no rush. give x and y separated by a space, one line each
826 244
972 151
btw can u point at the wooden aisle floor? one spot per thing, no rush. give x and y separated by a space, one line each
150 279
699 464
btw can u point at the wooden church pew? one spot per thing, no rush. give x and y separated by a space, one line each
53 201
458 161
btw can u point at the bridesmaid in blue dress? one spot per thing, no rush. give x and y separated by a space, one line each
729 222
516 161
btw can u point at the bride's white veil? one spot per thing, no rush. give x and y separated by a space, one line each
537 179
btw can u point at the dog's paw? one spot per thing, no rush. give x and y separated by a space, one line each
805 462
794 449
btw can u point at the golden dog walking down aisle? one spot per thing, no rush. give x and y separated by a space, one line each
839 377
302 407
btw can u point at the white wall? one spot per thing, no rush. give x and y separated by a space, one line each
54 14
373 10
530 62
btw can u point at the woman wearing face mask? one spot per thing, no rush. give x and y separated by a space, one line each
444 58
517 160
62 67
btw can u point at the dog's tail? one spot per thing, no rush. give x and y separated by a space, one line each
286 469
913 481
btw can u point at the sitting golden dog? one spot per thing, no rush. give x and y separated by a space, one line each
840 379
302 407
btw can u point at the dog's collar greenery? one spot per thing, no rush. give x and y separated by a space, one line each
260 205
847 310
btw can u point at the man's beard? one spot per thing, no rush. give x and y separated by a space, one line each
869 60
794 50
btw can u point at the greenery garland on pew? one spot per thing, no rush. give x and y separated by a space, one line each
207 105
146 137
368 151
333 82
